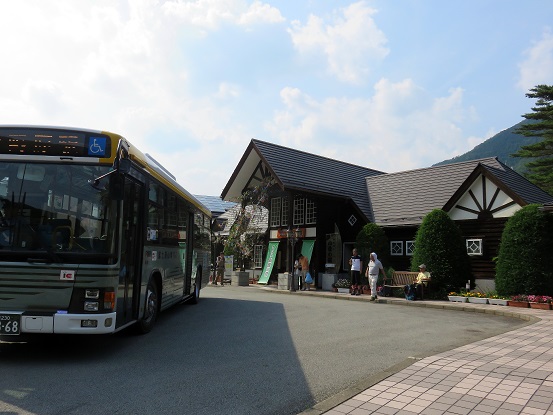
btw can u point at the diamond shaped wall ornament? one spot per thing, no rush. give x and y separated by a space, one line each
352 219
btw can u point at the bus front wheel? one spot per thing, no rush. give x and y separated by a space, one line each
146 323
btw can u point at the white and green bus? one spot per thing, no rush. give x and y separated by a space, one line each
95 236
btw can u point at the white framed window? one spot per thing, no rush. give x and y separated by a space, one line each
285 211
310 212
276 204
396 248
258 256
352 219
409 248
474 247
299 211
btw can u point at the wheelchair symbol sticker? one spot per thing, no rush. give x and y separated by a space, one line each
97 146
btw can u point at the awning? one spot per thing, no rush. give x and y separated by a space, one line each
269 262
307 248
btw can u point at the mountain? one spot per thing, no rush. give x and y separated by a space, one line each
502 145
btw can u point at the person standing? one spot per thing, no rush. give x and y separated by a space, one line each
356 264
373 269
304 267
220 268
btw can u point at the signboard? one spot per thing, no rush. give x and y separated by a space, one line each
269 262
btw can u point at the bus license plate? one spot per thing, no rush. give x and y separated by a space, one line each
10 324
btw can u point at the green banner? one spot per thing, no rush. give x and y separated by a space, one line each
269 262
307 248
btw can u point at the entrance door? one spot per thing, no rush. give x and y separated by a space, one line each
131 252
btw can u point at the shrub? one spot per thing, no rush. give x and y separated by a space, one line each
373 239
439 245
524 260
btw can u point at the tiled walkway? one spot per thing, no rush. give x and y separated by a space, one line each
511 373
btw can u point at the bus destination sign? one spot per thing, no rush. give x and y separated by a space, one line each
44 142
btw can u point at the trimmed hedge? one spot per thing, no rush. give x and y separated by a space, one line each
439 245
525 262
372 238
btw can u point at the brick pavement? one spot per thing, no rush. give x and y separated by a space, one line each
511 373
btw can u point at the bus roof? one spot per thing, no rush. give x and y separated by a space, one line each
147 162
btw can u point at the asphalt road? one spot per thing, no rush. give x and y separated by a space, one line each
241 350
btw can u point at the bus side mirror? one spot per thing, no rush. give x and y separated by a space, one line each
125 165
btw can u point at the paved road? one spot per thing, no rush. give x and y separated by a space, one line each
241 350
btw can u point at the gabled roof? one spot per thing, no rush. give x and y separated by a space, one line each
404 198
215 204
298 170
258 224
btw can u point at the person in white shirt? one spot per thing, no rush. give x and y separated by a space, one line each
373 269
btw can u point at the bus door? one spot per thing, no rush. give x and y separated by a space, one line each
131 252
189 255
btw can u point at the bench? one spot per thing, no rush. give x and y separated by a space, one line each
399 280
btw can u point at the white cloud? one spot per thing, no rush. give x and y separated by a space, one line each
537 68
211 14
351 42
399 128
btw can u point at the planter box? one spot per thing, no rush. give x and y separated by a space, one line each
541 306
498 301
523 304
478 300
240 278
457 298
343 290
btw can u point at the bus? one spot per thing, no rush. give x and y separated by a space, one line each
95 236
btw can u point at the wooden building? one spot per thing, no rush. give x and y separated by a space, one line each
328 202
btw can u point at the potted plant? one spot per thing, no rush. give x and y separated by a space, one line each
497 299
542 302
520 300
343 285
477 297
456 297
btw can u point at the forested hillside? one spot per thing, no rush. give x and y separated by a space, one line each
501 145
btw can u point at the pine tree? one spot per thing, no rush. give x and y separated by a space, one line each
541 167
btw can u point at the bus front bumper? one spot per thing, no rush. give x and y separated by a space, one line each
69 323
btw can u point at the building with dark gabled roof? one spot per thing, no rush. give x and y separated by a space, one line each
325 199
329 201
479 195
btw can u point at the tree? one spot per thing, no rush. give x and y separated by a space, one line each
439 245
541 167
524 264
372 239
246 229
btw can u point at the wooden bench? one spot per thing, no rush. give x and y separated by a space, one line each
400 279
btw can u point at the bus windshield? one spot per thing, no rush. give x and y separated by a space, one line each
51 213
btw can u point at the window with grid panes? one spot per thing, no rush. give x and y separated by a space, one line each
299 211
258 256
310 212
285 211
276 204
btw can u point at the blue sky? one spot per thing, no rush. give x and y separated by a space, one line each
387 84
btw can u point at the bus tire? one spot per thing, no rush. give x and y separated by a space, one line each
151 311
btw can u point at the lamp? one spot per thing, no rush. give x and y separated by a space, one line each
292 235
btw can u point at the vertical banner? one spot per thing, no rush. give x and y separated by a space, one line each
269 262
307 248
